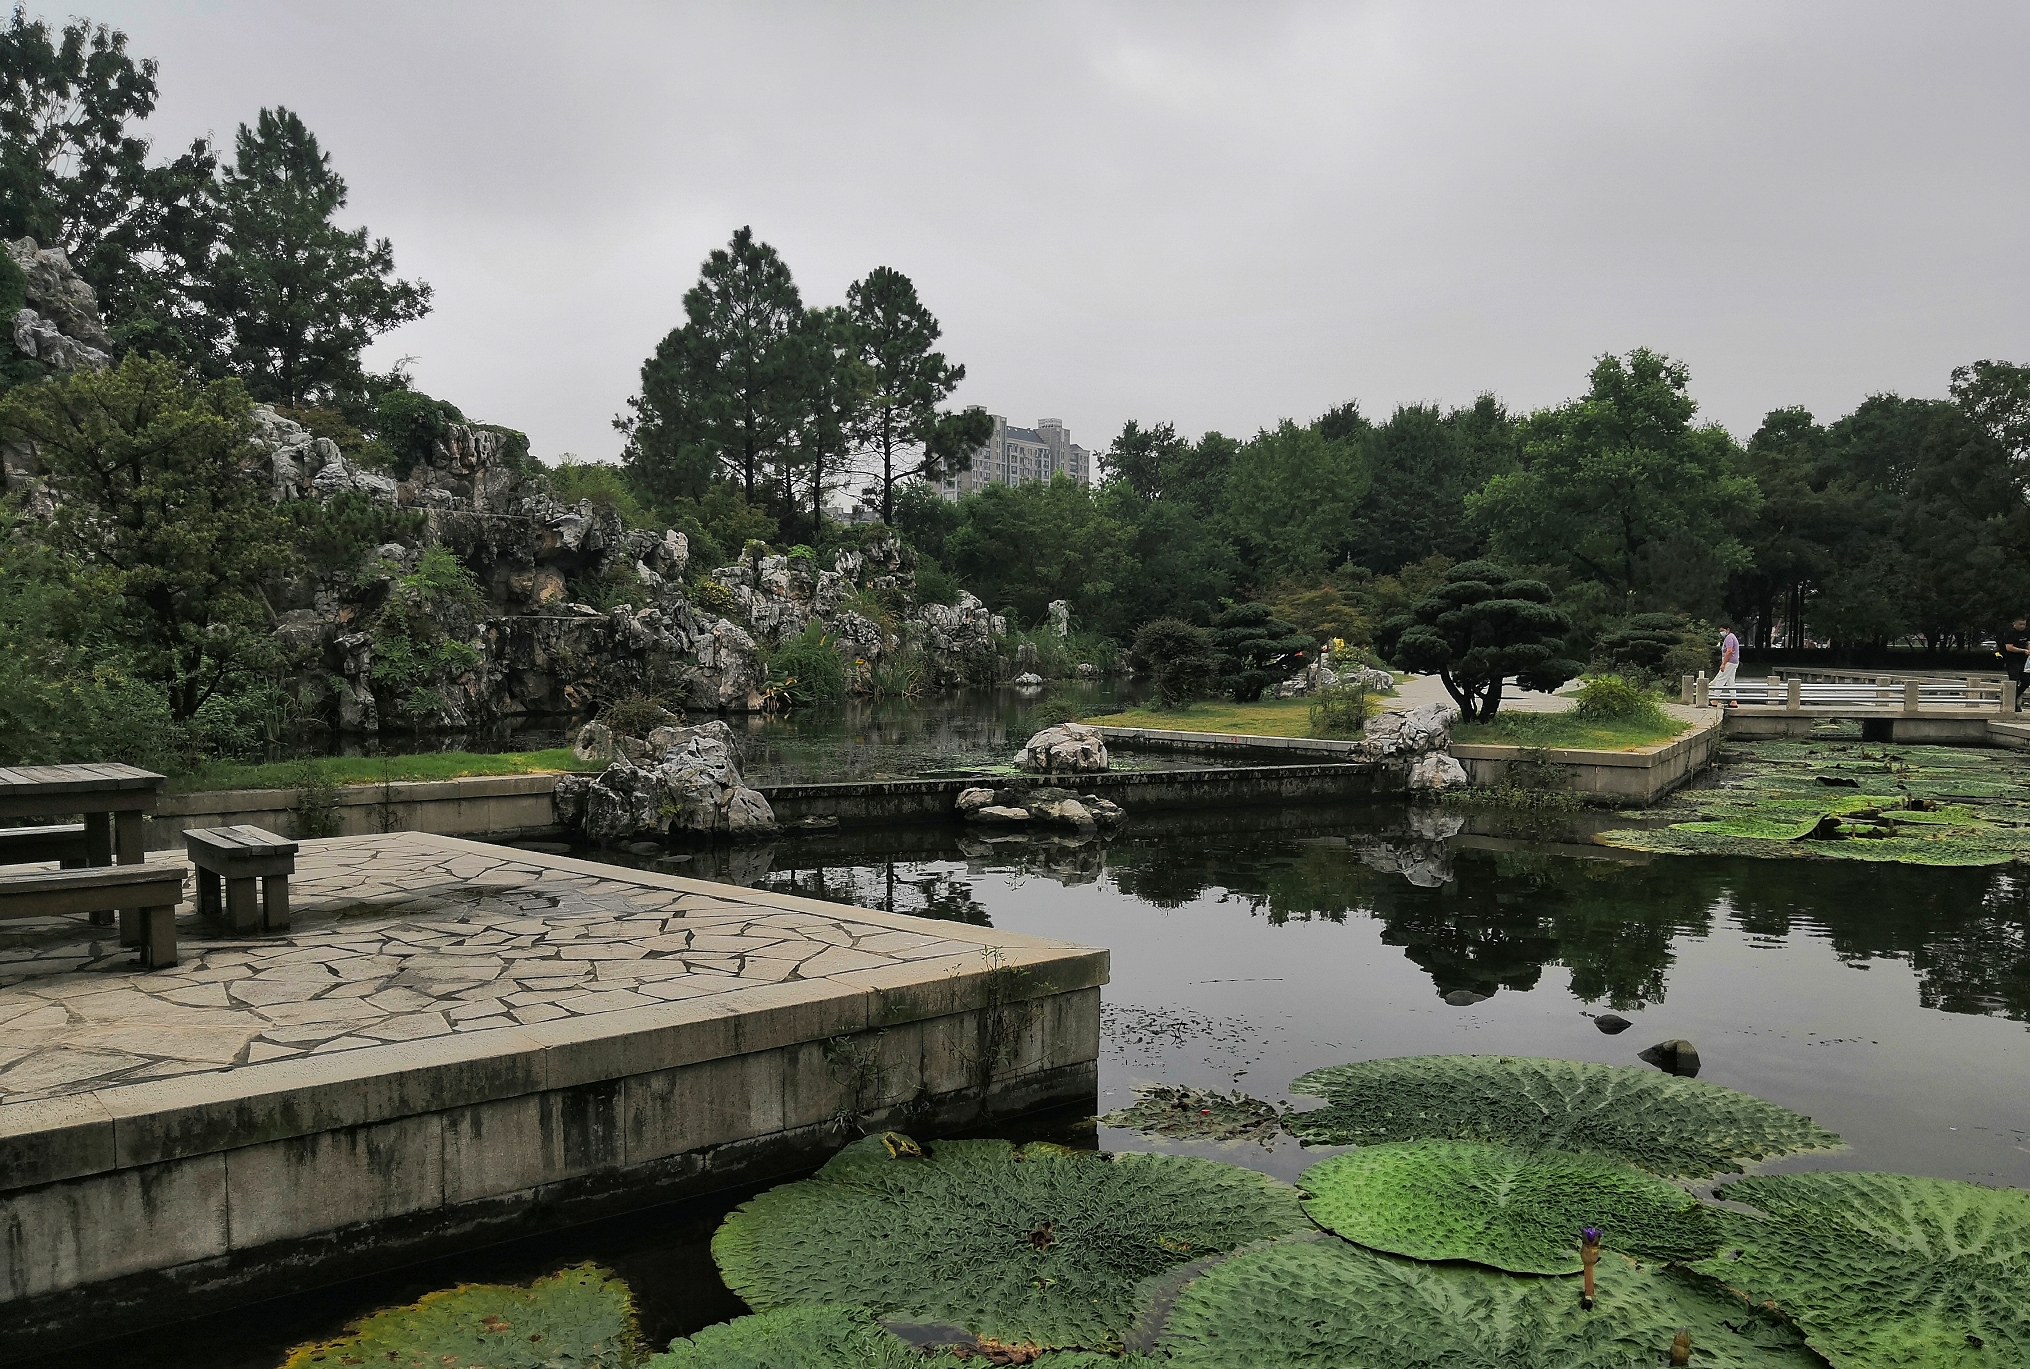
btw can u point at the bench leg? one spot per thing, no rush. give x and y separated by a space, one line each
158 942
99 851
241 914
130 926
275 903
210 899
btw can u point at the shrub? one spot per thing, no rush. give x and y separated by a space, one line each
903 673
713 597
407 423
1256 649
1610 696
1342 710
933 584
1179 659
605 485
637 714
807 671
1052 712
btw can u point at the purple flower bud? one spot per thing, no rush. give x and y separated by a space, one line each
1590 1234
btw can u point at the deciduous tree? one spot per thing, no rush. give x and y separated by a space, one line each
156 514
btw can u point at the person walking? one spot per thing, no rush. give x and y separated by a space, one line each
2016 657
1730 658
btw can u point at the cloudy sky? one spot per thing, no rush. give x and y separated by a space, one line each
1219 215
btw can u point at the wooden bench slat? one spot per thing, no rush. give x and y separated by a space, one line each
239 841
94 877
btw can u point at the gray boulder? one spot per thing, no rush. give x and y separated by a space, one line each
1066 749
1436 771
694 787
1060 618
1028 679
974 799
1412 732
1679 1057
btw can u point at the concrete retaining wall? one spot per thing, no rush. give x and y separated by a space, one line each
502 807
1639 777
1959 727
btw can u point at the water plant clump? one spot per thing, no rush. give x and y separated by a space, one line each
1034 1244
1184 1113
1914 805
1676 1128
1886 1271
582 1316
1518 1210
1330 1303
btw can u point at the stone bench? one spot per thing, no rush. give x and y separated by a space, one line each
65 842
238 856
145 896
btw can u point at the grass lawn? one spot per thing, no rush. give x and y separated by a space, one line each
434 765
1570 730
1263 718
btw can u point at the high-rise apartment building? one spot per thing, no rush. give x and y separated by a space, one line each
1015 456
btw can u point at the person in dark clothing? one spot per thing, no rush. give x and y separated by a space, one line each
2016 657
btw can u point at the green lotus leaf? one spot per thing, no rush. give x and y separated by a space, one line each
1678 1128
1519 1210
580 1317
1039 1244
1188 1114
829 1337
1886 1271
1331 1305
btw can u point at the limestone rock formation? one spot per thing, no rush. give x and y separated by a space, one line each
1060 618
1427 727
60 326
1066 749
1046 807
1435 771
693 787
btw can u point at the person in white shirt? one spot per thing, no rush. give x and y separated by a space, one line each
1730 657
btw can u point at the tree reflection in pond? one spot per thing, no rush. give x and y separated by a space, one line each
1471 918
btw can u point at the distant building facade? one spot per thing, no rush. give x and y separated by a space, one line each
1016 456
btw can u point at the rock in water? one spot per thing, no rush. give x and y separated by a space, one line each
1067 749
1437 771
974 799
1465 998
1028 679
1679 1057
1611 1023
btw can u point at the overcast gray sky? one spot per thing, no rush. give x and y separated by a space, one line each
1219 215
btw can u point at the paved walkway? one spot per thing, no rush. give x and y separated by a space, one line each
401 937
1413 690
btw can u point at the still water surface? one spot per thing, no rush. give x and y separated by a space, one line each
1888 1003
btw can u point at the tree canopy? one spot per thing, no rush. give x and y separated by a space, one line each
1483 624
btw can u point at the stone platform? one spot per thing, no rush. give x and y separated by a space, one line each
458 1042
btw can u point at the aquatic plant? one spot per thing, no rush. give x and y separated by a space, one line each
1033 1244
1886 1271
1189 1114
836 1337
1513 1209
1329 1303
1678 1128
582 1317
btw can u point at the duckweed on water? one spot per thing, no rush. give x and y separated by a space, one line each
1915 805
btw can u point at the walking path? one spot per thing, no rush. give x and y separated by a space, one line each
1415 690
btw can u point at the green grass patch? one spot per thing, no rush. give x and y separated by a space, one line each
344 770
1263 718
1570 730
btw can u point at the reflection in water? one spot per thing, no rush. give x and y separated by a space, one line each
1468 916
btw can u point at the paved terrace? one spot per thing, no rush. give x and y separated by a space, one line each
410 936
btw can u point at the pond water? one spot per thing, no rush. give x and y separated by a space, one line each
1888 1003
957 731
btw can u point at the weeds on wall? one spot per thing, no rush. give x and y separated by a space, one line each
316 802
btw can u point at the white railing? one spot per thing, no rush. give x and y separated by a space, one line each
1903 696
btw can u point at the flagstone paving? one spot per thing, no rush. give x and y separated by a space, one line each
402 937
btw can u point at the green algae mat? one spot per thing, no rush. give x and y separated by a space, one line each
581 1317
1846 800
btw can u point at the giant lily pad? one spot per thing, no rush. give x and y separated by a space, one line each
1886 1271
1519 1210
1183 1113
1678 1128
829 1337
1331 1305
1038 1244
580 1317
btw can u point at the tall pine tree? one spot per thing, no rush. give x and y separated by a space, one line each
903 431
